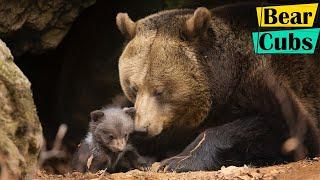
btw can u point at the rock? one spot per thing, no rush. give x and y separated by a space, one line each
155 166
243 173
36 25
21 132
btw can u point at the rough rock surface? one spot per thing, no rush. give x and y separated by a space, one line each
37 25
20 132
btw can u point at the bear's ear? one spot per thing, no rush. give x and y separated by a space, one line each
198 23
96 115
130 111
126 26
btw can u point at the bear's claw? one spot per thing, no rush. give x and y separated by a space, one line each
180 164
144 167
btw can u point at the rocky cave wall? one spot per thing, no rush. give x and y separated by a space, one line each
26 26
36 26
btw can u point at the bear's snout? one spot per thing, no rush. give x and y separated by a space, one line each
140 126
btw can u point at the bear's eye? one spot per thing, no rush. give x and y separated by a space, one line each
133 89
182 36
158 93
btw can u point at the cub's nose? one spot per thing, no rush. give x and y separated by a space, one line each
119 145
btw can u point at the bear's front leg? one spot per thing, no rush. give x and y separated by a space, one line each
197 156
247 140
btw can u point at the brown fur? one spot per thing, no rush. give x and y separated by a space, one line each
153 77
126 25
177 70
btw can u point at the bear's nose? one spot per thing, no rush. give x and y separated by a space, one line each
139 134
142 129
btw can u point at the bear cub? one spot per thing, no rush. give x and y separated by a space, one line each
106 145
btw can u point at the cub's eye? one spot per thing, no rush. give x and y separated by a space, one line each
126 135
110 137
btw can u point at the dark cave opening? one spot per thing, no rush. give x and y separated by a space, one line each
81 74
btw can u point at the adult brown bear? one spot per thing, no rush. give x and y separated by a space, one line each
185 69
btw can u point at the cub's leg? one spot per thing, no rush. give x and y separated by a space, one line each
137 161
79 161
100 162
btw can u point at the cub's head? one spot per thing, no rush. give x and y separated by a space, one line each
111 127
160 71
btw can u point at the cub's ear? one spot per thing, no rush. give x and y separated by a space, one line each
96 115
198 23
126 25
130 111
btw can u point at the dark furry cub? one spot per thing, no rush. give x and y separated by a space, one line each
106 145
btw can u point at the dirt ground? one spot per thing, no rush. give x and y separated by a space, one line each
302 170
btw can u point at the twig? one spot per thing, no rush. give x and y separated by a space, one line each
56 151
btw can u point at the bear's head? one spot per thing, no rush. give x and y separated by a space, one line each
160 70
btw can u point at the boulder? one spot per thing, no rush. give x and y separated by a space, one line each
20 132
